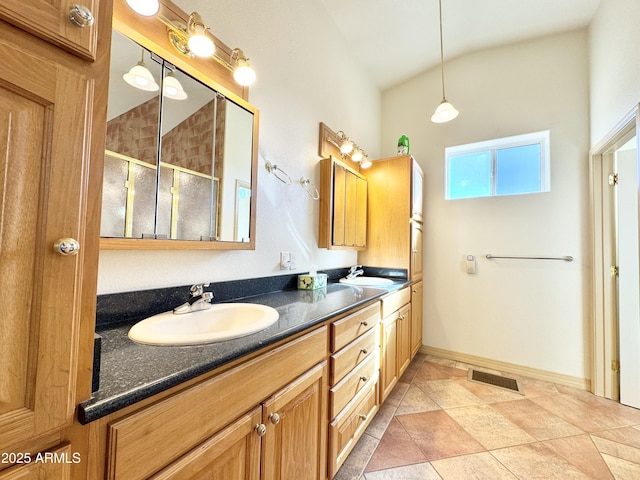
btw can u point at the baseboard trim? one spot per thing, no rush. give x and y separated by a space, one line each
509 368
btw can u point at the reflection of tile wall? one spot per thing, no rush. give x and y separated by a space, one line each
190 143
135 132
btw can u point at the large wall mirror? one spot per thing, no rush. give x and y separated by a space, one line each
180 158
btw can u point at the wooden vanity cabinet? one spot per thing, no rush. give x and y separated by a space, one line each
343 206
267 415
52 118
395 343
353 393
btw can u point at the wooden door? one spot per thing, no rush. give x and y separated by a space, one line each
43 141
232 454
417 248
295 445
416 317
360 239
404 338
49 19
339 205
389 356
351 208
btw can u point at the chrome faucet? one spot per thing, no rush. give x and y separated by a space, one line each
200 300
355 271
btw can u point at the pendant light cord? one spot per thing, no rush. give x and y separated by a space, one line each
441 49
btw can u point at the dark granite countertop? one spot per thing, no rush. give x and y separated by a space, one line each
131 372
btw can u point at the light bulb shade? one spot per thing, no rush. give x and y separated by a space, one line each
444 113
146 8
199 43
244 74
172 88
346 147
366 163
140 77
356 156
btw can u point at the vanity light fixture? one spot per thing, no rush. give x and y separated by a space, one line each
140 77
348 148
243 73
190 39
146 8
365 163
445 111
172 88
346 145
356 155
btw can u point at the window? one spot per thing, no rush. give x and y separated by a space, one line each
504 166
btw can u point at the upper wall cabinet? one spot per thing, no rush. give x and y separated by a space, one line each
70 25
343 206
181 150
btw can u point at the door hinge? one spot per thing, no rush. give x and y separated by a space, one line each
613 179
615 366
614 271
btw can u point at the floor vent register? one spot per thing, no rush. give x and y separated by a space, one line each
507 383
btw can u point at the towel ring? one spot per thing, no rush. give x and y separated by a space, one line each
278 173
310 188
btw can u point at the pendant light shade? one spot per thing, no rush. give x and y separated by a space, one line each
445 112
172 88
140 77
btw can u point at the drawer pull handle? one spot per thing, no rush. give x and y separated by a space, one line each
362 417
364 350
364 323
274 418
66 246
81 16
364 378
260 429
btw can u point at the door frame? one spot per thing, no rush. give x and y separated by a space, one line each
604 325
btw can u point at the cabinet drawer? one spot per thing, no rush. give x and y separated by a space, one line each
394 301
145 442
353 354
349 386
349 426
351 327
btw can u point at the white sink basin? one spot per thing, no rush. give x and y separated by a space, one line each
223 321
366 281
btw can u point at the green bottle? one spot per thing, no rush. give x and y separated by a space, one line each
403 145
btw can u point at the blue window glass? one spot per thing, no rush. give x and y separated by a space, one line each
518 170
470 175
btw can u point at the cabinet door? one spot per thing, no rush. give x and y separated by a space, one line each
360 220
389 356
232 454
404 339
339 205
42 199
295 445
49 19
417 192
416 317
351 208
416 251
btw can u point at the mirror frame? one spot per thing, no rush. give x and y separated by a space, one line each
151 33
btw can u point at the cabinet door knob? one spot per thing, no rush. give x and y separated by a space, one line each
260 429
81 16
364 350
66 246
274 418
362 417
364 323
364 378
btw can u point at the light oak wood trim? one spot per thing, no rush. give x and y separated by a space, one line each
180 422
233 453
349 425
342 393
394 301
353 354
347 329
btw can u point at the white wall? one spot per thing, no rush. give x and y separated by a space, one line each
305 76
614 43
529 313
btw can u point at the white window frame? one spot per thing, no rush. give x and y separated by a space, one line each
536 138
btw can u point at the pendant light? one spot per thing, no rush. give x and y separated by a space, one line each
140 77
172 88
445 111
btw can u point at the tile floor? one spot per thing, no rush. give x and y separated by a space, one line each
438 425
